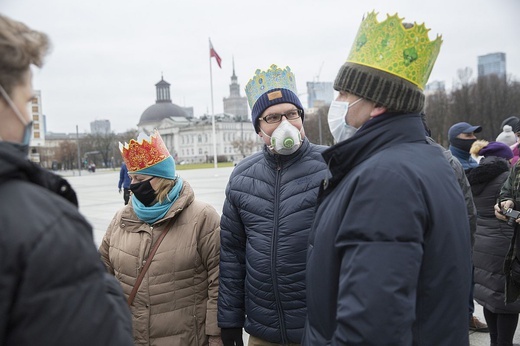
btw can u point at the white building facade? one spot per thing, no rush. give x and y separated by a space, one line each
191 139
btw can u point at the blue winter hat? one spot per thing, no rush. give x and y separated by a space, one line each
271 98
462 127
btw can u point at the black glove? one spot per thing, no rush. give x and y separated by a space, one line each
231 336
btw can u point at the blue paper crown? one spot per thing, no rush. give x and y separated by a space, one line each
274 78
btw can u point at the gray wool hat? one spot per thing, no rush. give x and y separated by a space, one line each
385 89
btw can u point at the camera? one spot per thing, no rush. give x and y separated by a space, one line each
511 215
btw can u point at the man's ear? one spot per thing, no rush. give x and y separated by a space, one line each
377 111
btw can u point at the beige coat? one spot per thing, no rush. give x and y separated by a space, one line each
176 303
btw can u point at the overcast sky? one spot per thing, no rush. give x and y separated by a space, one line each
108 54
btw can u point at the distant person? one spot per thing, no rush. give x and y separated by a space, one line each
124 182
474 323
509 199
266 220
492 241
507 136
389 258
511 121
515 147
176 301
461 136
54 289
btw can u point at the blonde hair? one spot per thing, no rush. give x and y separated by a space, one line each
20 46
163 187
477 146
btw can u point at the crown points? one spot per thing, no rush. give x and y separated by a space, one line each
273 78
406 52
144 152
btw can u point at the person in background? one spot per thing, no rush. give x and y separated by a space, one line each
266 219
53 288
507 136
511 121
492 240
176 302
124 182
474 323
509 200
514 147
391 236
461 136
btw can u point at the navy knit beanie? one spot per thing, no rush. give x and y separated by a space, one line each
271 98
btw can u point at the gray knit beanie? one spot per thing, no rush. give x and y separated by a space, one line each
385 89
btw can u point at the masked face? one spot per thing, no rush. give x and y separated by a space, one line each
144 192
336 118
22 96
463 144
285 139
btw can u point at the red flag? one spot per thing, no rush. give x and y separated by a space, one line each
213 54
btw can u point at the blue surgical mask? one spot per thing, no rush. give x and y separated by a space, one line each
28 127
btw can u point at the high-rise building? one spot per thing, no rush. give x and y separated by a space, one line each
434 86
38 132
236 104
494 63
319 91
101 127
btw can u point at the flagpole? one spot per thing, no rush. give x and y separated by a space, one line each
212 113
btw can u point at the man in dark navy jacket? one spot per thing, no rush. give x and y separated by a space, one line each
389 256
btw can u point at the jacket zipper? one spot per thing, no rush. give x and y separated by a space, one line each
274 254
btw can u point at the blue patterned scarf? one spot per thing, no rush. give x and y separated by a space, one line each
157 211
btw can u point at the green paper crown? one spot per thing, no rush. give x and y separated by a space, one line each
388 46
274 78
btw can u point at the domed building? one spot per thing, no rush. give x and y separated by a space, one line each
162 109
191 139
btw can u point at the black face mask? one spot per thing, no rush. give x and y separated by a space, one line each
144 192
462 144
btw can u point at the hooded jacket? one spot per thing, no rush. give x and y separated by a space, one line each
389 255
176 303
54 289
492 238
266 219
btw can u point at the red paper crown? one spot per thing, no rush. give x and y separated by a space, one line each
144 153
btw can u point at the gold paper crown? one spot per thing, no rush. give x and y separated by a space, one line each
264 81
390 47
144 152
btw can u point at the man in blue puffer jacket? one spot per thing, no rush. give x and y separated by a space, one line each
267 216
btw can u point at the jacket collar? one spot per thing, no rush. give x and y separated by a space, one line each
459 153
277 161
375 135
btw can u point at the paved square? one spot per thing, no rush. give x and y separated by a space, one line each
99 200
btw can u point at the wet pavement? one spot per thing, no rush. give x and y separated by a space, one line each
99 200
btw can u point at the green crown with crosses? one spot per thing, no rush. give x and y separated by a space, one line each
389 46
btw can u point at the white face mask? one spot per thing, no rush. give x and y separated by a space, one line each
285 139
336 118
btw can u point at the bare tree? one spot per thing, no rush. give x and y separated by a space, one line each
244 147
67 154
316 127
